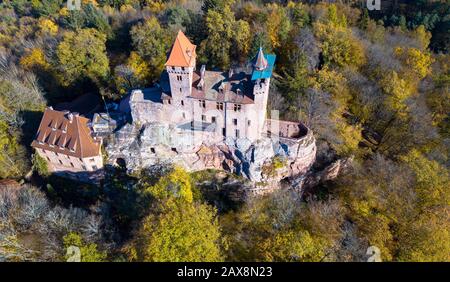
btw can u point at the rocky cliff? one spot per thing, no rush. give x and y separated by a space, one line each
264 162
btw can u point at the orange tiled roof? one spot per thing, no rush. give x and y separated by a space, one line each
66 133
182 53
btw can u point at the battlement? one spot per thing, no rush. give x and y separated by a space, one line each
286 129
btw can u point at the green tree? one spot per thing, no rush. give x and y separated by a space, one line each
12 154
151 41
82 54
182 232
40 165
176 184
216 47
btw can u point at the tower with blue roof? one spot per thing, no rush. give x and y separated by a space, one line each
262 72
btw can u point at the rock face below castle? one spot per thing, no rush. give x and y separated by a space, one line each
267 160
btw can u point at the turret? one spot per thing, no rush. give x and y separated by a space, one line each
180 67
262 72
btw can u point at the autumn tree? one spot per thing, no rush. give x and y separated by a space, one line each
178 228
88 251
151 42
339 45
279 227
134 74
221 29
82 54
399 206
182 232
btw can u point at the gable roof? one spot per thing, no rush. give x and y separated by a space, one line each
66 133
182 53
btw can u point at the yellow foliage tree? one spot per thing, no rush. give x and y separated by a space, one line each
139 66
417 62
48 26
183 232
35 58
397 89
278 25
176 184
339 46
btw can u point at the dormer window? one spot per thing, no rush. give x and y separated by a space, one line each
182 68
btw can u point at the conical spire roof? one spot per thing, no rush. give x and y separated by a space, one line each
261 62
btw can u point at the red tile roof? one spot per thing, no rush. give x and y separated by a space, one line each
182 53
66 133
236 89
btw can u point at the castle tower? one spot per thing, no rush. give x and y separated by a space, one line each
180 67
262 72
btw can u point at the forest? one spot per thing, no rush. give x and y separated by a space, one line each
372 85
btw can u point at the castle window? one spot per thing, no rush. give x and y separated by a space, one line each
92 160
182 68
237 133
60 162
224 132
152 150
84 167
173 68
169 101
237 107
180 90
235 121
249 122
203 118
71 164
219 106
48 158
213 119
182 102
202 103
174 150
184 115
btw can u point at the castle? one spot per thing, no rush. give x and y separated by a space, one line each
209 119
225 104
195 118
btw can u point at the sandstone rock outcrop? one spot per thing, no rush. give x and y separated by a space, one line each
265 161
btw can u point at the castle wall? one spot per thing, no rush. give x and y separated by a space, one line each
61 162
